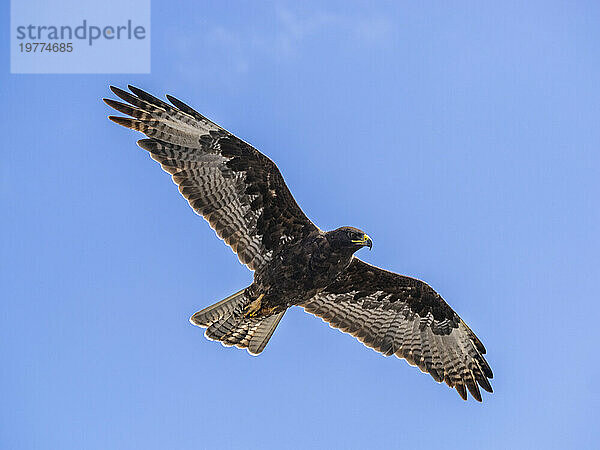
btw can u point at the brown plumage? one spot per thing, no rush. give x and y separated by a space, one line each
243 196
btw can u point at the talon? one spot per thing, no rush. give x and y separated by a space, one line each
254 307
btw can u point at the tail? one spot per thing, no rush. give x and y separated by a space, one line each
224 321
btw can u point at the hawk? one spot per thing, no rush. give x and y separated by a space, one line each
242 195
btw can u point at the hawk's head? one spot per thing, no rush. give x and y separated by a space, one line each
349 238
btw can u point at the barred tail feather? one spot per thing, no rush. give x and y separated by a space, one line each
224 308
224 321
263 333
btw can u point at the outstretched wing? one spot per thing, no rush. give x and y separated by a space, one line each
394 314
237 189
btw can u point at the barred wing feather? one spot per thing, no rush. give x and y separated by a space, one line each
237 189
402 316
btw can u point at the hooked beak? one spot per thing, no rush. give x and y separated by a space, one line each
365 241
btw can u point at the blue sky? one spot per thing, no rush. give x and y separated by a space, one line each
462 137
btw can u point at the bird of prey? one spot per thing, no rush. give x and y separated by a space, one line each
242 195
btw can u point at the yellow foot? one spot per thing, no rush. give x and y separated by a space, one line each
254 307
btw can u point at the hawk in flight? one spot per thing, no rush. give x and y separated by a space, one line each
242 195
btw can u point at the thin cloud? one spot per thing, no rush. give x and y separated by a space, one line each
293 30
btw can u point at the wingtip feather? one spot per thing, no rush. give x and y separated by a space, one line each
148 145
134 89
118 91
121 107
126 122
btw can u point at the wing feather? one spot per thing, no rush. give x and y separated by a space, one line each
394 314
237 189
